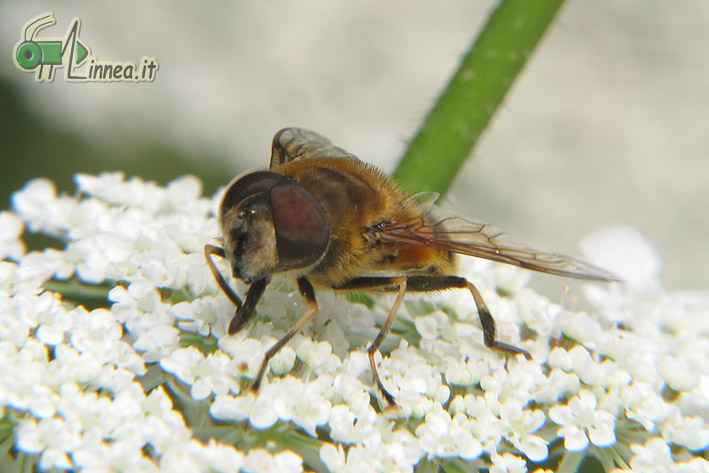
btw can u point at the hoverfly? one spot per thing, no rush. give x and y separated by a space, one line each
329 220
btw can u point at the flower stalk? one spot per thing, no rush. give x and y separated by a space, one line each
477 89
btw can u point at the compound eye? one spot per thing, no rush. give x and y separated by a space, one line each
247 186
301 224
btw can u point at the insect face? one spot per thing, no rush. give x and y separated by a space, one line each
250 239
271 223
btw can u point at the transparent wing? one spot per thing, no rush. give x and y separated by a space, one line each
479 239
297 143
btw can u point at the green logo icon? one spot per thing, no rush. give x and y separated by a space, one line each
43 55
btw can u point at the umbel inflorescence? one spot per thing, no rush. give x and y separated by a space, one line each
149 380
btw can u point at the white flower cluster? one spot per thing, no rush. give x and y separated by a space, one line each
150 381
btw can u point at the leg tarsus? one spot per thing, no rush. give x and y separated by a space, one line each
401 282
489 330
247 311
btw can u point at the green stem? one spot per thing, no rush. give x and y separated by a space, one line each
478 87
570 462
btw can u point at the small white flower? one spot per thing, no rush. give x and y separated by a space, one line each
259 460
93 265
36 203
21 382
677 374
283 361
97 455
162 426
205 375
301 403
579 326
51 438
537 312
350 390
519 380
653 456
584 366
257 409
97 334
141 309
580 420
399 454
182 363
415 384
522 424
510 279
336 461
356 427
644 405
245 353
344 423
691 432
35 269
560 358
48 315
559 385
507 463
201 315
463 371
486 426
222 458
317 356
431 326
360 459
180 195
190 456
443 436
11 228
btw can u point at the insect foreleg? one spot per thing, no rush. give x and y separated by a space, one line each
247 311
244 311
210 250
308 293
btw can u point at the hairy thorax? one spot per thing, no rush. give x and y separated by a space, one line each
359 200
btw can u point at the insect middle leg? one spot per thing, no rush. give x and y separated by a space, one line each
401 284
308 293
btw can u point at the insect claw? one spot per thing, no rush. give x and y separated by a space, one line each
392 407
391 403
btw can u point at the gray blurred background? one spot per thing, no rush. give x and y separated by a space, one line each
608 123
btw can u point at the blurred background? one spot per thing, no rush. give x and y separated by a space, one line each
606 125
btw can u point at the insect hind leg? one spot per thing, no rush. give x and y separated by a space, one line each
402 284
440 283
488 325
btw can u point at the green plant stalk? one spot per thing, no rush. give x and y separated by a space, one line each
475 92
